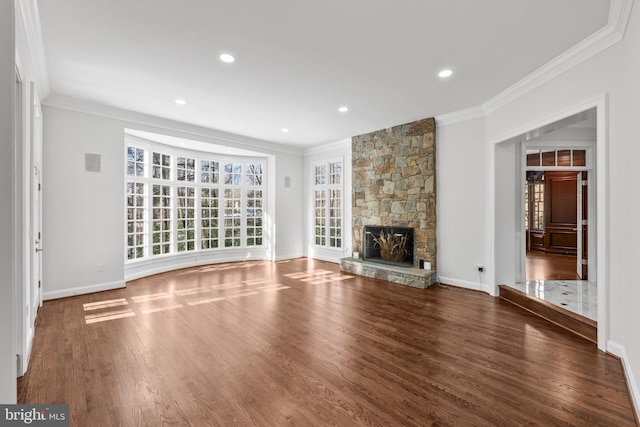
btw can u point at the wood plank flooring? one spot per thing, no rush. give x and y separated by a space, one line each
299 343
544 266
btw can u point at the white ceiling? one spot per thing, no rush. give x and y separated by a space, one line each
298 61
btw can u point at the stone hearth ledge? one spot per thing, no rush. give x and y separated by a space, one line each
413 277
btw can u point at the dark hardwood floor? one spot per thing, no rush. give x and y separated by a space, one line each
299 343
543 266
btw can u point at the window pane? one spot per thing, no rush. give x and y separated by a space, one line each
209 209
579 158
174 203
135 220
549 158
186 236
564 157
161 224
328 204
533 157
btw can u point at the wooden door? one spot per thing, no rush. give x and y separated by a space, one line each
561 203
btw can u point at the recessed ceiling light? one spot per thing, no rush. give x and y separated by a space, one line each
343 109
284 130
445 73
226 57
180 101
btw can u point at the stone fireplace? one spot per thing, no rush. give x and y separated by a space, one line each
394 185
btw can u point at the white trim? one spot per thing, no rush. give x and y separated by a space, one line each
326 254
517 134
612 33
343 144
289 256
327 187
602 250
86 289
602 220
176 153
171 126
323 257
490 220
30 18
619 350
459 116
136 270
619 13
476 286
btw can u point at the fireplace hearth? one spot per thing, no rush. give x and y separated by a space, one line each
388 245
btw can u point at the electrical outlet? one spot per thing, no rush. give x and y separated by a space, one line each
480 269
100 267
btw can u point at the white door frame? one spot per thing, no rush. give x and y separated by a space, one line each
591 209
35 117
27 210
22 270
497 248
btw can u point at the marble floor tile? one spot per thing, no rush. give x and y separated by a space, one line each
578 296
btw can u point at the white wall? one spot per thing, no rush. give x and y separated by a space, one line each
7 281
84 211
486 178
290 209
334 151
461 192
83 221
611 74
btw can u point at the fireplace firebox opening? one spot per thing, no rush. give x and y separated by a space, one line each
388 245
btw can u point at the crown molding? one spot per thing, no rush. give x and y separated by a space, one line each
459 116
175 128
30 18
342 144
612 33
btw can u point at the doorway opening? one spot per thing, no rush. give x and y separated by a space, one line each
558 204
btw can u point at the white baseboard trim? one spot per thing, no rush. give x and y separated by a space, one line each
462 284
619 350
137 270
335 260
289 256
69 292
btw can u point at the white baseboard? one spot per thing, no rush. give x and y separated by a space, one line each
289 256
333 259
137 270
69 292
619 350
462 284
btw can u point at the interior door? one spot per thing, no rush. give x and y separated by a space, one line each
36 202
560 212
36 265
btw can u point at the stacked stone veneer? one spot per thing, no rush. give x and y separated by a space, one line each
394 184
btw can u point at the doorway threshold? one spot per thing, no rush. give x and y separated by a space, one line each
525 297
577 296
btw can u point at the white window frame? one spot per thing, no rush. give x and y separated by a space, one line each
240 183
328 187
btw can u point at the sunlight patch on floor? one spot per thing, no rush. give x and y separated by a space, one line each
111 309
318 277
